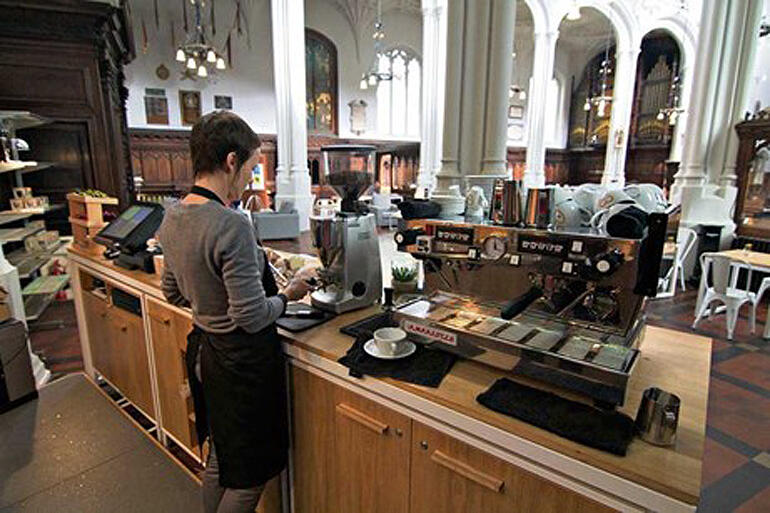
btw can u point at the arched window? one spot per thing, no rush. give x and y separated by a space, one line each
321 83
398 100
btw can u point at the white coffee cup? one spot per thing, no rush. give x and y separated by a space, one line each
389 340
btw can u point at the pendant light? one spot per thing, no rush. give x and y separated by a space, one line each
374 75
199 55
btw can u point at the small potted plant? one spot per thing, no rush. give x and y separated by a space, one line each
404 278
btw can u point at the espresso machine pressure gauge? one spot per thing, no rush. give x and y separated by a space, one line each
493 248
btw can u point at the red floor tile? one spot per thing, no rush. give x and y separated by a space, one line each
739 413
760 503
752 367
718 461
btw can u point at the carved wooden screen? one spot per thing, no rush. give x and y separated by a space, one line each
321 83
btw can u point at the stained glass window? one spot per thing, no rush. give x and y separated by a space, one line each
321 83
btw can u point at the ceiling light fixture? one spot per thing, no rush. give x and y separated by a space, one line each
372 77
200 56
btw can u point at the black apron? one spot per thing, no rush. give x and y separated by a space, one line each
242 399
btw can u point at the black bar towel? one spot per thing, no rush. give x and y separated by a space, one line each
425 367
609 431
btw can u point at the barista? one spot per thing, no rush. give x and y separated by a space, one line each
234 359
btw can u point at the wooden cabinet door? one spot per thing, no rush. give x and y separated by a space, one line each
131 366
101 344
371 456
169 331
451 476
312 444
350 454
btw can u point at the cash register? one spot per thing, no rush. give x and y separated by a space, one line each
126 237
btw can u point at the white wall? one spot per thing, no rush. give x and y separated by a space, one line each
250 82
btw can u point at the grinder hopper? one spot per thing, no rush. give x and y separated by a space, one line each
349 170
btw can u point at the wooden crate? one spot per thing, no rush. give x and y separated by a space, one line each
87 218
87 208
83 234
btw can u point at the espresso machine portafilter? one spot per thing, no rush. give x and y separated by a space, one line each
347 243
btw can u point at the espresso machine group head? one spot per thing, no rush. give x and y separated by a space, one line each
347 242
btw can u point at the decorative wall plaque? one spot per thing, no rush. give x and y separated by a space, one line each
357 116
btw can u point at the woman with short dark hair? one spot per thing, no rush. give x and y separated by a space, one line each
235 363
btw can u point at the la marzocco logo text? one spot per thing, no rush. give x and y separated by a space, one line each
431 333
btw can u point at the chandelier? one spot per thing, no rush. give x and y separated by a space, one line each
602 101
672 108
199 56
374 75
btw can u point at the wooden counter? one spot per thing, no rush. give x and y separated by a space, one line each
649 478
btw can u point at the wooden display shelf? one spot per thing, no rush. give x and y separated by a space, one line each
18 234
24 168
87 223
87 218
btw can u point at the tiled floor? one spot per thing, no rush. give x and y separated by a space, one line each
736 467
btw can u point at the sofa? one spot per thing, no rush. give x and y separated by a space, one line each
283 224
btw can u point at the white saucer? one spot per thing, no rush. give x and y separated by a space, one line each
371 350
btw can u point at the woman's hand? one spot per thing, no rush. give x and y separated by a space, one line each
302 283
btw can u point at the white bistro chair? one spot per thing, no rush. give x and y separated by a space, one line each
667 284
385 212
765 285
722 271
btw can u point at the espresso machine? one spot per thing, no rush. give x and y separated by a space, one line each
563 308
346 242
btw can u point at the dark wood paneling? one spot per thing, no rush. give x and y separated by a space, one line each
64 59
162 159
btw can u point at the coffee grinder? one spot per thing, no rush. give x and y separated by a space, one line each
346 241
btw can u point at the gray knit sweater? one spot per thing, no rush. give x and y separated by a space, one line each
214 265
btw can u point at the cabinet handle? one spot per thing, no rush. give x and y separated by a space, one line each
124 328
162 320
365 420
468 472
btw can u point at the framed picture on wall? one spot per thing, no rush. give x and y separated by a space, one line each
156 110
223 102
190 106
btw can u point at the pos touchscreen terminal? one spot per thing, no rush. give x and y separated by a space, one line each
126 237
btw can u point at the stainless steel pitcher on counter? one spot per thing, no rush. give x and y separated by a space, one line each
658 417
539 208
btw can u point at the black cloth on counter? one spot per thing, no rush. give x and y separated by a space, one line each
425 367
609 431
369 325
